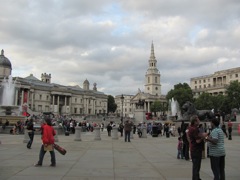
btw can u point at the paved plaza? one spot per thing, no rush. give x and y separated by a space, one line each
148 158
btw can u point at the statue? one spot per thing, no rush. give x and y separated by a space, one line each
140 104
189 110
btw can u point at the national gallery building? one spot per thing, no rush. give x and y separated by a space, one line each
36 96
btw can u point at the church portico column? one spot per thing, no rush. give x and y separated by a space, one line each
149 103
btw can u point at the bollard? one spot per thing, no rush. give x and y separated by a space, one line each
56 136
78 130
144 132
114 133
26 137
97 133
131 135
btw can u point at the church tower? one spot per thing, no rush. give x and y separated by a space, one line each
152 76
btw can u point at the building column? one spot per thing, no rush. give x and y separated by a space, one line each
145 106
58 103
148 106
65 104
16 98
32 100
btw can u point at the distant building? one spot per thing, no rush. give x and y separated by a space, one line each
151 94
37 96
216 83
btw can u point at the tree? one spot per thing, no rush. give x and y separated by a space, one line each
112 106
156 106
181 93
233 94
204 101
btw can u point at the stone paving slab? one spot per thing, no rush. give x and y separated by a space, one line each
151 158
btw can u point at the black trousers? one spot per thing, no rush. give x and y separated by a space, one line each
31 136
196 164
218 167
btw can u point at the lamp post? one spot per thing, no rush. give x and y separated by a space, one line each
122 99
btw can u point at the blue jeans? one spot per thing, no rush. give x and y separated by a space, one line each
180 154
42 153
127 136
218 167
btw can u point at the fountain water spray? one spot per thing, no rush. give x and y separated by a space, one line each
7 92
174 109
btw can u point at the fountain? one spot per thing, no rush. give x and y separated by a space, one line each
173 110
7 96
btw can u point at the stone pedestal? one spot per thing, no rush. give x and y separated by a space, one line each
144 132
131 134
26 137
140 116
56 136
78 133
114 133
97 133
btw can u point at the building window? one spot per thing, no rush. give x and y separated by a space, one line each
200 86
236 75
199 81
204 86
148 88
209 85
47 97
148 79
195 87
156 88
40 97
75 100
204 81
208 80
39 107
195 82
75 110
155 79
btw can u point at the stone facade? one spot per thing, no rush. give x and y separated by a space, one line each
214 83
36 96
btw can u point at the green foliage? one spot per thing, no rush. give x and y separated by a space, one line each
181 93
112 106
156 106
233 94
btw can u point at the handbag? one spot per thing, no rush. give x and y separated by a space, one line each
60 149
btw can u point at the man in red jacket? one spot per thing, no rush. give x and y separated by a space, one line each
48 134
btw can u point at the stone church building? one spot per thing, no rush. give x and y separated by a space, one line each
128 104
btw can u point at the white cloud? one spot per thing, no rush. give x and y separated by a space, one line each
109 42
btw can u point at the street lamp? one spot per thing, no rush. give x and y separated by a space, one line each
122 99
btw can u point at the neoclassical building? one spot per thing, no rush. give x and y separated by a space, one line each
152 92
37 96
214 83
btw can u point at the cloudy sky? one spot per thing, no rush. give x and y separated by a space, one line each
109 42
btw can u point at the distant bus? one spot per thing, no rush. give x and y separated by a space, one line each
148 115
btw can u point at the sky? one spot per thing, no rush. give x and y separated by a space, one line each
108 42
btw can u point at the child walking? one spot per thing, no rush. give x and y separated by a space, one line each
180 148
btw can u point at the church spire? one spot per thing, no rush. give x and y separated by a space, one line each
152 61
152 56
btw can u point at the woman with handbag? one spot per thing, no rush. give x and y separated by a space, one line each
48 134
